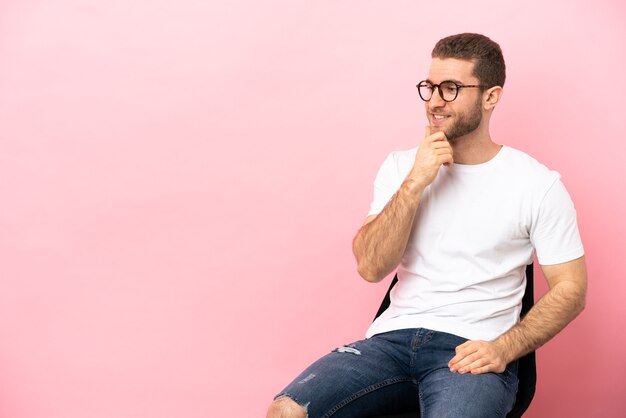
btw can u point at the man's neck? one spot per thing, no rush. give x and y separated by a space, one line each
474 148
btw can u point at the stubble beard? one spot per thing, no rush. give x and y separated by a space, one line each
465 123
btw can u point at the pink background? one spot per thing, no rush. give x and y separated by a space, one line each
180 182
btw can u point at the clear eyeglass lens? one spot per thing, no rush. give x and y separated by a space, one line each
449 91
425 90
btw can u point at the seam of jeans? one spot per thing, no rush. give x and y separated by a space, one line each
365 391
422 337
421 399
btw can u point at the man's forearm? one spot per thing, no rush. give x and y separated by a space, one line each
380 244
563 302
548 317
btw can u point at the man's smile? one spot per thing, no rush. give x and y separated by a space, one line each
439 119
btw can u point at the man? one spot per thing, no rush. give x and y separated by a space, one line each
460 217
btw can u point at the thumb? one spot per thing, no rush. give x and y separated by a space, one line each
428 131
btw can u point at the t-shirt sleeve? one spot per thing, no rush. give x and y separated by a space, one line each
386 184
555 233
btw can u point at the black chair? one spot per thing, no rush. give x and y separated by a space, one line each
527 368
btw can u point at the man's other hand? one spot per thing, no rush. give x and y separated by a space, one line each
478 357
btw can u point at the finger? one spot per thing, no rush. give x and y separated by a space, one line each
441 144
475 363
484 364
458 358
467 347
447 160
467 363
443 152
464 350
439 136
484 369
488 364
443 147
434 135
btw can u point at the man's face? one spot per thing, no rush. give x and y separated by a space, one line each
463 115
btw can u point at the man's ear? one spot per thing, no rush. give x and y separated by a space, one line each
491 97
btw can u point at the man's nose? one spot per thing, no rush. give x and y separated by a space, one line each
436 100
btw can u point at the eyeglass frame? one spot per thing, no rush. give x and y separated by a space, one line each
438 86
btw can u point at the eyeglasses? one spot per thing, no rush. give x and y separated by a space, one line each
448 90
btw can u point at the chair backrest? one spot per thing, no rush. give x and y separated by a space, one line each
527 367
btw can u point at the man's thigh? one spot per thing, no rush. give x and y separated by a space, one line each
447 394
365 378
452 395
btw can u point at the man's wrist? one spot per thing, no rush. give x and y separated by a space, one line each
413 186
505 348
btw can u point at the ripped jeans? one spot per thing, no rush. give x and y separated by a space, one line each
400 371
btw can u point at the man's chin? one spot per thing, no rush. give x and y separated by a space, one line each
435 128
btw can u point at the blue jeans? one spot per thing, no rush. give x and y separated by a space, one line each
400 371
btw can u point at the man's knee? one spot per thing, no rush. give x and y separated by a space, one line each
285 407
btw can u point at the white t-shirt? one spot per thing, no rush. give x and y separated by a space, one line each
475 230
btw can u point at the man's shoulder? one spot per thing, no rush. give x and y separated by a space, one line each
523 161
527 172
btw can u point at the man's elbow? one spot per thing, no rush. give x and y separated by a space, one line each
582 294
582 302
366 269
369 274
579 298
